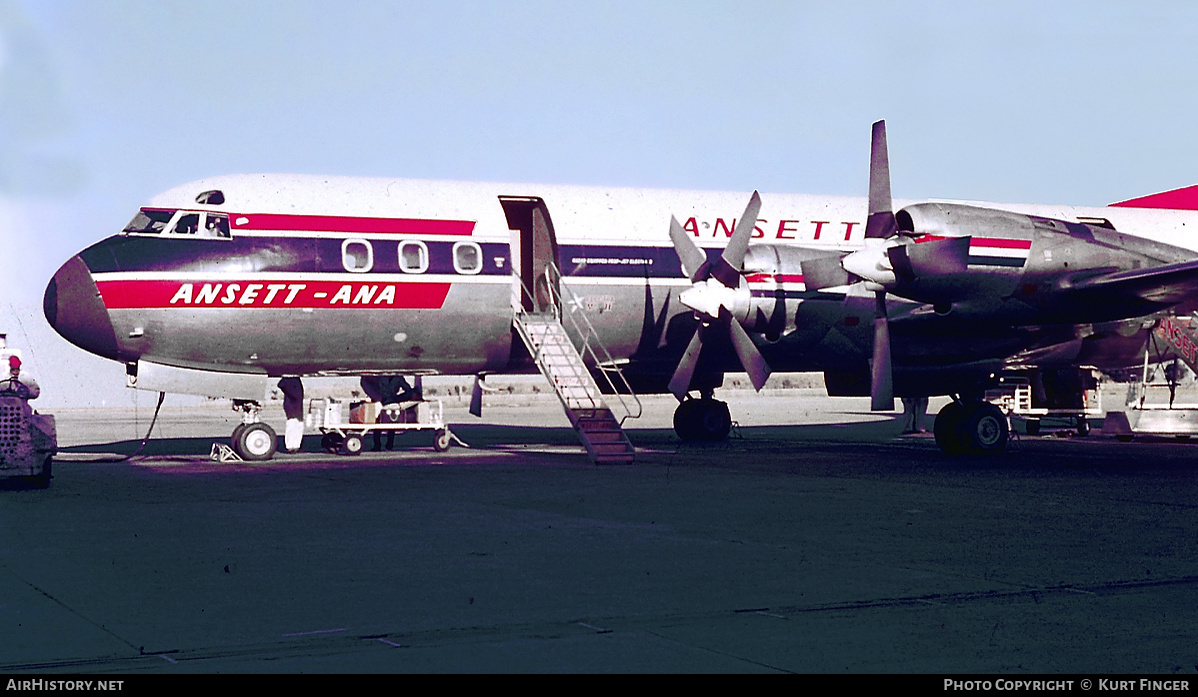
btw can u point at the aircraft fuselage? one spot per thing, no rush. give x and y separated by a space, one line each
307 275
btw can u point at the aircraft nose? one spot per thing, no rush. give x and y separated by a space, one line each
74 308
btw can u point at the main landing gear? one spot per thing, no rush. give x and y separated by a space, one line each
702 419
971 427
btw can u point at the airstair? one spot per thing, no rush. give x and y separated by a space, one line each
1161 404
563 360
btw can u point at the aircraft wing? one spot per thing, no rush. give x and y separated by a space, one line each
1164 285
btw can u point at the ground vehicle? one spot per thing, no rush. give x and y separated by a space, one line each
1071 394
27 439
347 438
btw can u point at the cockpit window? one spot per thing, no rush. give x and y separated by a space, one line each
216 225
149 221
155 221
188 224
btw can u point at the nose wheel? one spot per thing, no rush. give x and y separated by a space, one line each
254 441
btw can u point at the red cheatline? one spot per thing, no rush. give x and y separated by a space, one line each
337 223
268 293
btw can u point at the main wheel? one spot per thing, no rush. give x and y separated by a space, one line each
984 429
948 429
352 445
442 440
702 419
715 421
255 441
685 420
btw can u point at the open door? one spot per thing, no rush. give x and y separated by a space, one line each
537 249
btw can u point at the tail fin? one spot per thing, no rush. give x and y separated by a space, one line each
1184 199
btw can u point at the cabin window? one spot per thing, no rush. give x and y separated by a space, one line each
357 256
413 256
467 257
150 221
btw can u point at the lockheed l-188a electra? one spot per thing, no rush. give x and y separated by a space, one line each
221 286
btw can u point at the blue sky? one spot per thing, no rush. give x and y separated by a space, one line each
103 104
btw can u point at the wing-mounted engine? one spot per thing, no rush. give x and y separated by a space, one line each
943 253
989 262
1028 269
987 265
779 278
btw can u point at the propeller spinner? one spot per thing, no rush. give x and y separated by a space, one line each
719 290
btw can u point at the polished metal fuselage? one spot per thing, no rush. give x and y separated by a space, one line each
321 276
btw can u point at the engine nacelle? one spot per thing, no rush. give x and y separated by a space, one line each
958 220
990 264
777 276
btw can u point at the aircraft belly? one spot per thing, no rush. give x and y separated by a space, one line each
469 333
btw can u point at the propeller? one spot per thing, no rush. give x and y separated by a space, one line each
890 258
718 292
880 229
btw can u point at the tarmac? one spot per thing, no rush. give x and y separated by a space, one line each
817 539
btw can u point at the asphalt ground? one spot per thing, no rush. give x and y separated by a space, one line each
830 544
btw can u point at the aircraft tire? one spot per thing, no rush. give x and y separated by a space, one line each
255 441
686 420
702 419
236 435
948 429
984 429
352 445
1083 426
715 420
442 440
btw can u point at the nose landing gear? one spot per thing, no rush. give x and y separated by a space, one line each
252 439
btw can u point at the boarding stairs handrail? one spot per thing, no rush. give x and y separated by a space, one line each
591 346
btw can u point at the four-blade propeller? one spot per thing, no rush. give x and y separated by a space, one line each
718 293
890 261
894 261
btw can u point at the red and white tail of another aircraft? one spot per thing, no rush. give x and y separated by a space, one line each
219 285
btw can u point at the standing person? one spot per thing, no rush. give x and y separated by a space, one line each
387 390
915 410
293 407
